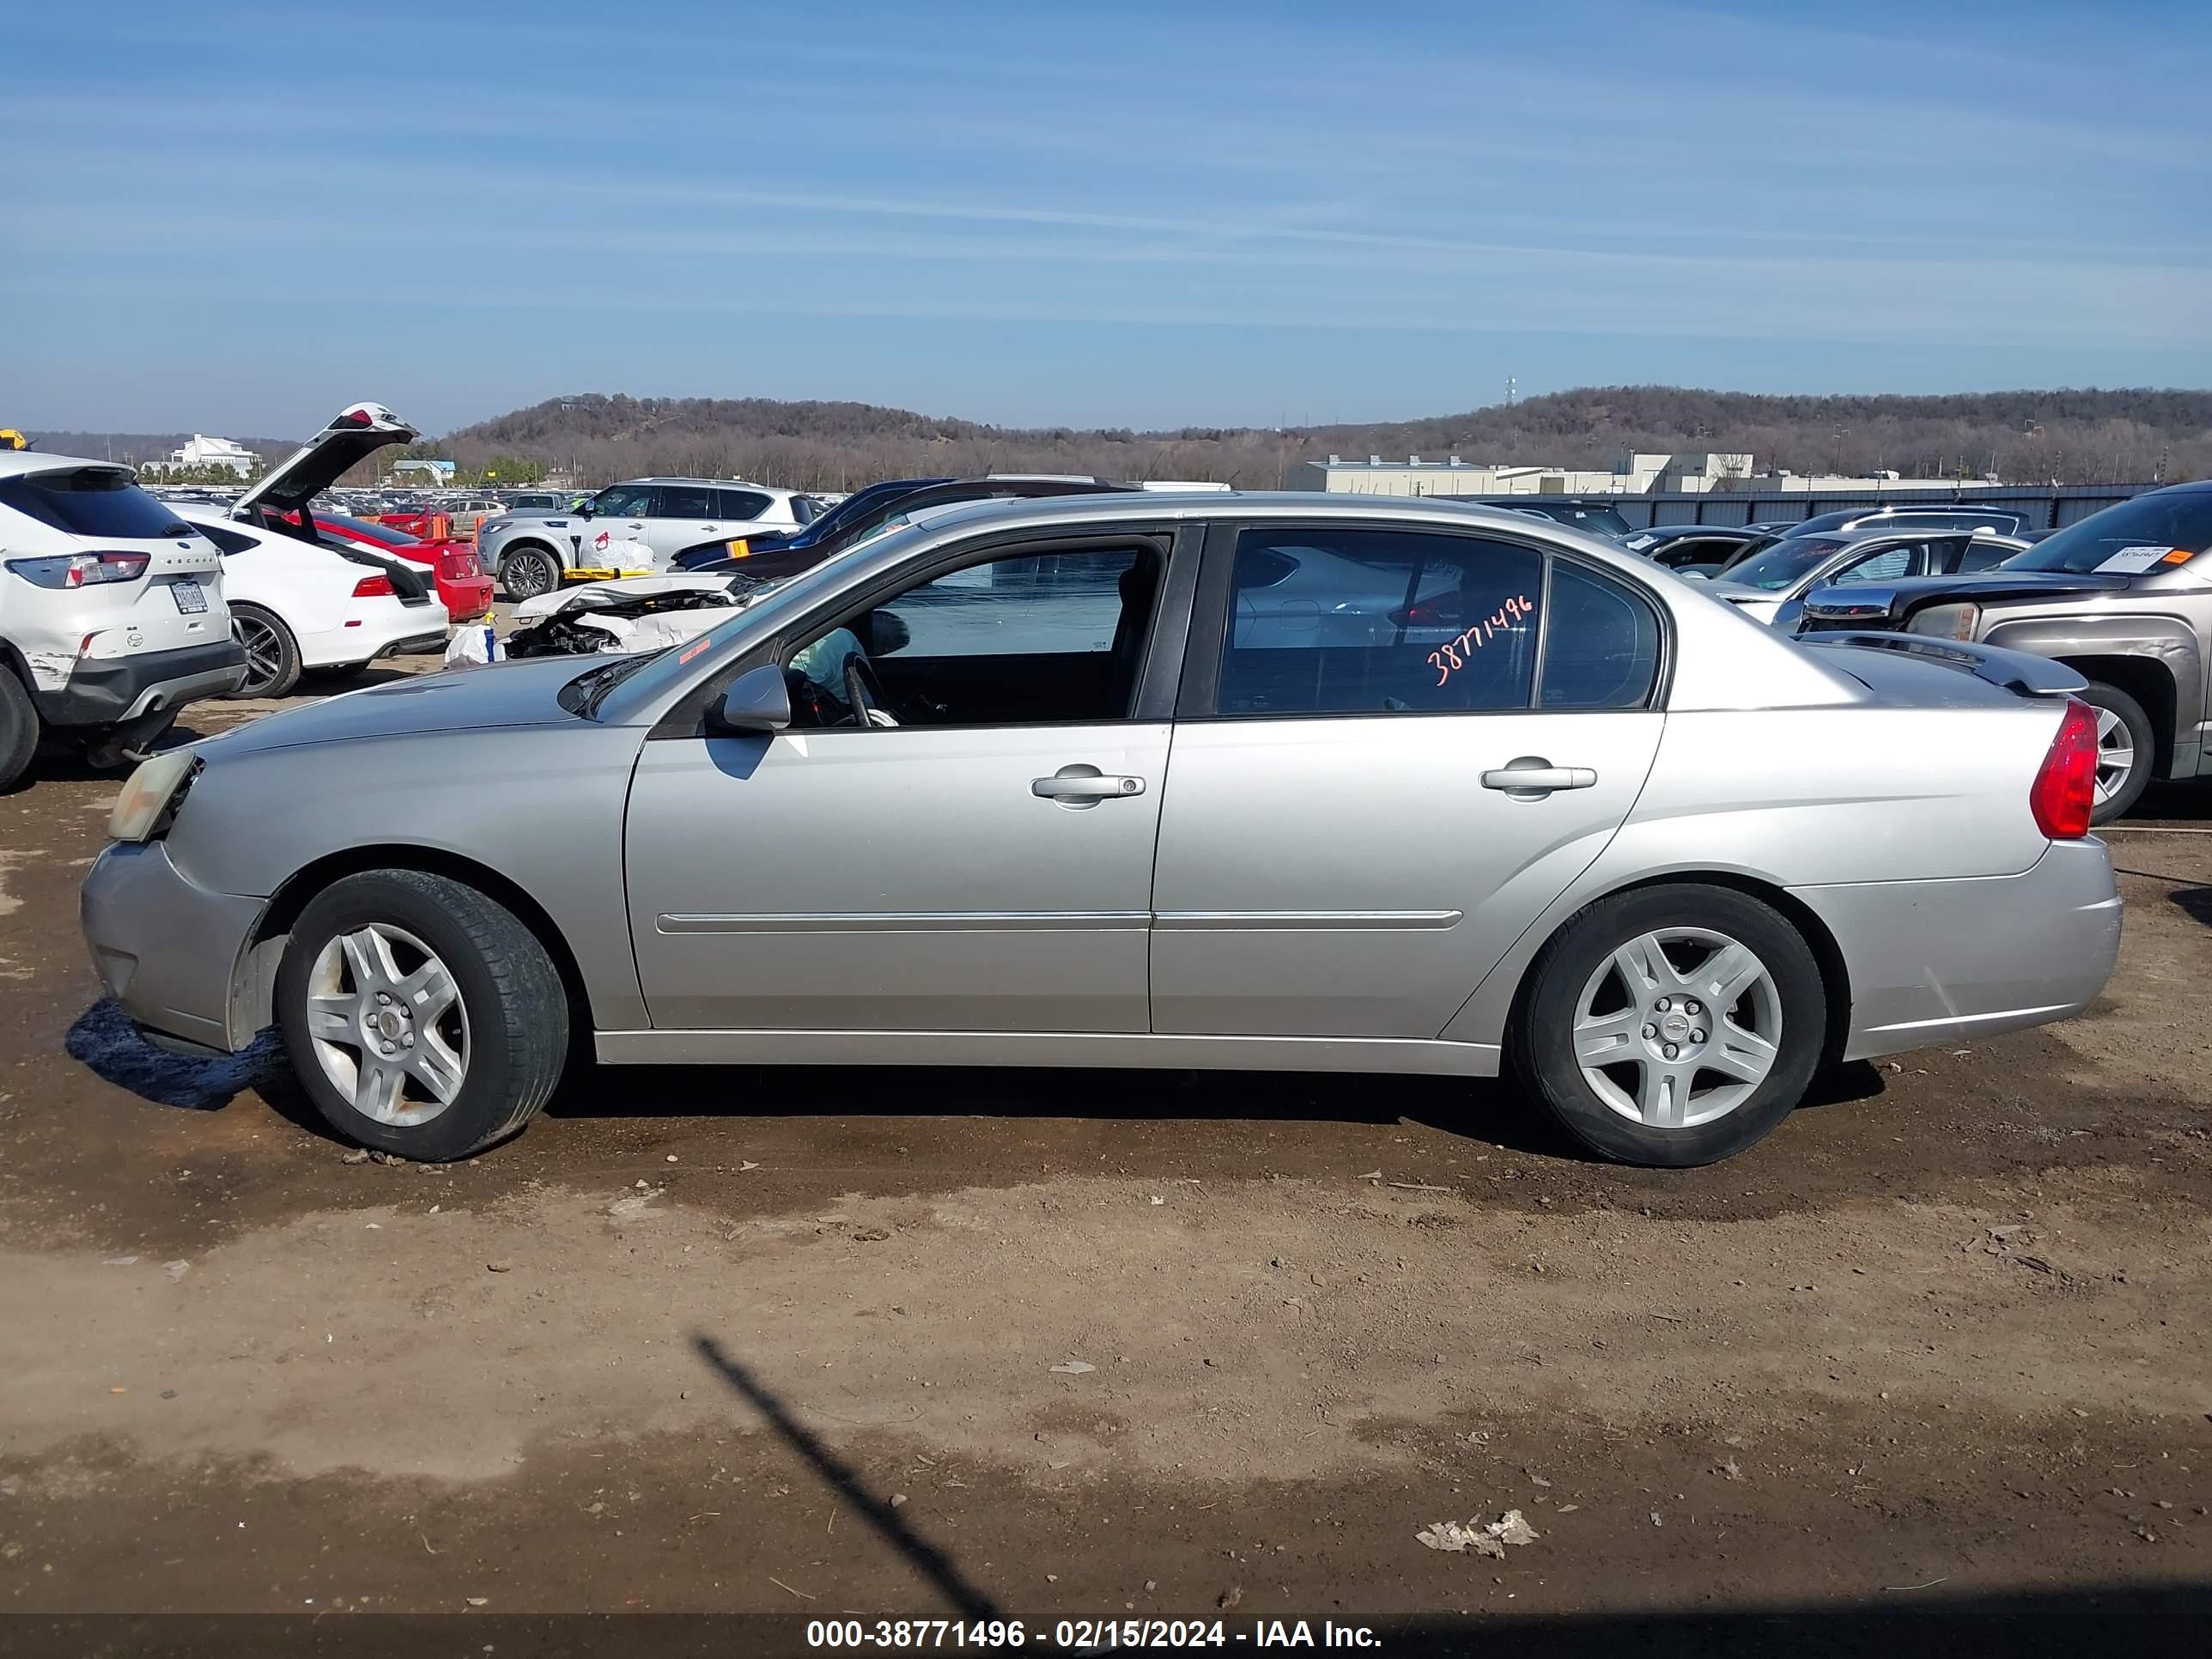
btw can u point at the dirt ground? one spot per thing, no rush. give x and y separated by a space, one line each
1929 1365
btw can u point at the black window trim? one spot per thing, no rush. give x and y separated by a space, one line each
1208 626
1158 670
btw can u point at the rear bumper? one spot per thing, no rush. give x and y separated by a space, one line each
1947 961
415 645
167 949
108 691
465 598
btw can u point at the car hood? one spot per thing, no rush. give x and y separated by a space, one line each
497 694
1861 602
359 432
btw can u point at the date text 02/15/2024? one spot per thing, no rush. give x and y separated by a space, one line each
1085 1635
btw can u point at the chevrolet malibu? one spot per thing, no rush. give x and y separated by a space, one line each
1234 782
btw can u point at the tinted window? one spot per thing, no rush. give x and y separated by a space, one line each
686 501
1356 622
2122 535
229 541
91 502
1601 649
736 504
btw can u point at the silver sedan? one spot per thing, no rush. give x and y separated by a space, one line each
1064 782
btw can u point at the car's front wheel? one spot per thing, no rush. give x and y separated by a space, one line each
1672 1026
422 1017
526 572
2127 747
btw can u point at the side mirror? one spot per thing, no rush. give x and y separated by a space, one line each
583 508
757 702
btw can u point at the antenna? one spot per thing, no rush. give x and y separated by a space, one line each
1512 386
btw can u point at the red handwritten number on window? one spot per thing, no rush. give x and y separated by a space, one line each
1453 655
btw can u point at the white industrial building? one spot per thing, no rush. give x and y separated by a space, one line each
204 451
1637 474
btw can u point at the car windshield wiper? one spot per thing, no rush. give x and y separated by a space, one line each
590 687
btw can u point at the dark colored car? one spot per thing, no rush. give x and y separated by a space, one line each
790 559
857 512
1597 515
1701 547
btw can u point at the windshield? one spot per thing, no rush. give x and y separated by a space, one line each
643 680
2130 539
1785 564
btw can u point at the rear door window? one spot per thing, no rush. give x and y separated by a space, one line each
684 501
738 504
1601 645
90 501
1357 622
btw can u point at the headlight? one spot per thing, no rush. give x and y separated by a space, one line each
152 791
1947 622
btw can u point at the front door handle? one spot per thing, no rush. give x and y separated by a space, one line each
1531 777
1084 785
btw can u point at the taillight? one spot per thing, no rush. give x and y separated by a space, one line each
2065 788
373 588
82 569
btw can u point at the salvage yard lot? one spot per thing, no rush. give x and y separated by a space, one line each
676 1348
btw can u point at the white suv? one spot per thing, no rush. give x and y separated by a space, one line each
111 614
532 552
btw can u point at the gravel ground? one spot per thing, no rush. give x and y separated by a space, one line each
1930 1364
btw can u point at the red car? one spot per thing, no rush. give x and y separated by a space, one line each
283 500
462 583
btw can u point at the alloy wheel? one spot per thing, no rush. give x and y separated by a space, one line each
526 574
2116 755
264 651
388 1025
1678 1027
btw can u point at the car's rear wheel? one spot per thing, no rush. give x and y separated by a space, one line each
18 727
272 655
2127 748
526 572
422 1017
1672 1026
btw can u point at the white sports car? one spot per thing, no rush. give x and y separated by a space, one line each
296 606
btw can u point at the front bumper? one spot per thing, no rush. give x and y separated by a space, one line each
1937 962
167 949
109 690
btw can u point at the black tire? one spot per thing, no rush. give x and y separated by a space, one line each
1542 1040
2144 740
273 654
528 572
511 993
18 727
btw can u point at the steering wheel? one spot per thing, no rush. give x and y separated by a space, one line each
866 693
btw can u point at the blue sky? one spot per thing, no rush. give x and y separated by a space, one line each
238 218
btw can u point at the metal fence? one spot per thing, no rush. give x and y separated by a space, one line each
2049 507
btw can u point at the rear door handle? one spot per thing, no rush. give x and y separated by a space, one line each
1532 777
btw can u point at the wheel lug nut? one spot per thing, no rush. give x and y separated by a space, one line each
1670 1051
383 996
1696 1036
1664 1004
387 1048
1651 1031
1690 1007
